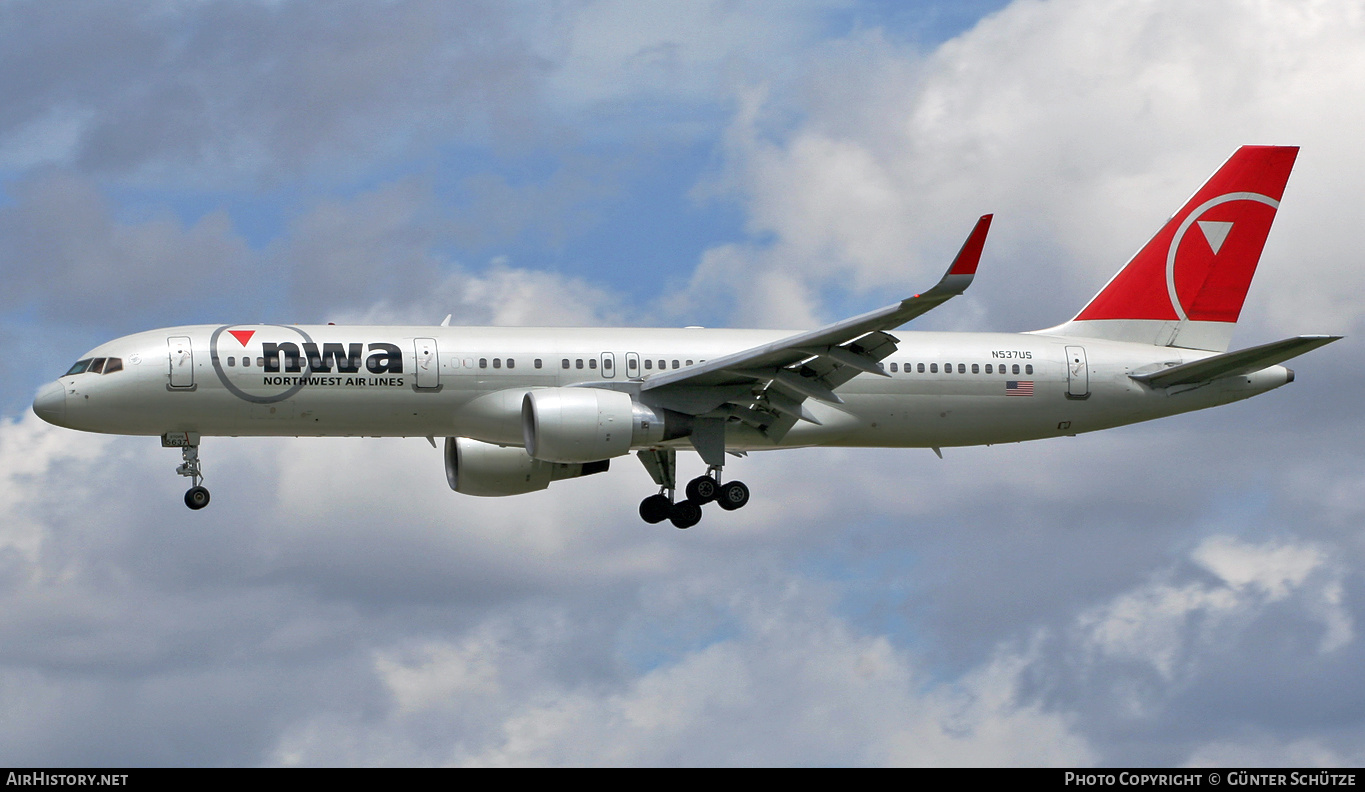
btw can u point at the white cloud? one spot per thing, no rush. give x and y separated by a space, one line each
792 686
34 457
441 673
64 249
1169 624
1083 125
615 52
1269 752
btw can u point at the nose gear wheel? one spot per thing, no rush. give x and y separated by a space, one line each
197 497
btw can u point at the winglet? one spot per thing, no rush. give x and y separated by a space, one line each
963 269
970 254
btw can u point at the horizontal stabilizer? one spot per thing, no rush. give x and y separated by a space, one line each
1232 364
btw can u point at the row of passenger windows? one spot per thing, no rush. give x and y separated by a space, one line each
497 363
110 365
962 368
589 363
114 364
96 366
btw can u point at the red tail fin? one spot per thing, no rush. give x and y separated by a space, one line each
1198 267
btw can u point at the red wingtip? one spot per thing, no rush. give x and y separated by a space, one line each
970 254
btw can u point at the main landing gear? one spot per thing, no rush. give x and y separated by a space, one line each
197 497
662 466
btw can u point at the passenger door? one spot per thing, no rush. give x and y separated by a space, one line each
182 362
1077 373
426 362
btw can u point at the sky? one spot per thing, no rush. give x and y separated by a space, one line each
1184 592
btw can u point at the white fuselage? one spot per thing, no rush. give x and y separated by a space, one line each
422 381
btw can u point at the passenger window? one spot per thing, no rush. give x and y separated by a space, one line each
649 364
592 363
1028 369
606 363
232 362
893 368
989 369
920 368
675 364
497 363
578 363
564 363
511 363
688 362
933 368
1016 368
537 363
947 368
78 368
976 369
632 363
113 364
260 362
483 362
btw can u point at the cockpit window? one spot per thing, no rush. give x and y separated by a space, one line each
96 366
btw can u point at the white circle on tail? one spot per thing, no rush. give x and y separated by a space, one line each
1216 232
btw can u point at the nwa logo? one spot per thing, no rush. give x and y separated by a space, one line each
343 359
284 368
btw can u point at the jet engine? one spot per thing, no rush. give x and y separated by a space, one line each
475 468
587 424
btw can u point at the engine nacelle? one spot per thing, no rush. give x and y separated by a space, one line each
588 424
476 468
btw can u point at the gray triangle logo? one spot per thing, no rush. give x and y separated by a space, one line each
1215 232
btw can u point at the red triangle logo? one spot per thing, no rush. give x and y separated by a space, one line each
242 336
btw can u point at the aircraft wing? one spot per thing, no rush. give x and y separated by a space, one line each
772 380
1233 364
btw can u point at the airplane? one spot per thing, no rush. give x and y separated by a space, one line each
522 407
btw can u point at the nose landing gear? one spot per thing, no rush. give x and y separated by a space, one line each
197 497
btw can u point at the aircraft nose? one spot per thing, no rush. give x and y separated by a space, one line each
50 403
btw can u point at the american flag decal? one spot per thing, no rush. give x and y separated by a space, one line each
1019 387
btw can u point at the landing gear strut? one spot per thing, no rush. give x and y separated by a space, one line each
197 497
662 466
